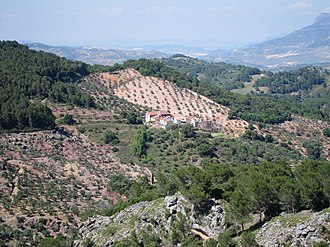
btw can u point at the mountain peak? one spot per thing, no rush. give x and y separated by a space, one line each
322 17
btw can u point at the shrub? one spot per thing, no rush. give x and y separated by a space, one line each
110 137
326 132
191 241
211 243
248 240
320 244
314 149
54 242
68 119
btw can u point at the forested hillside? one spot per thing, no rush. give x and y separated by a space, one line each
307 89
300 80
27 77
224 75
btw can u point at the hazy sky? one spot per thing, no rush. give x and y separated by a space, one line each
103 22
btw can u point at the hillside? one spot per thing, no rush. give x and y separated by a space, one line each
303 135
303 80
49 178
223 75
96 55
28 77
96 157
307 46
159 94
306 88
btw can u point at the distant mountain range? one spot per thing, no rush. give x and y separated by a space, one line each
307 46
96 55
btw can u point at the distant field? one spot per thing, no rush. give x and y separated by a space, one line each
248 86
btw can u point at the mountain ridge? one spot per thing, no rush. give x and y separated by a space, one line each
309 45
93 55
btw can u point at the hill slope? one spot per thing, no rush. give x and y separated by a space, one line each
159 94
223 75
27 77
307 46
49 178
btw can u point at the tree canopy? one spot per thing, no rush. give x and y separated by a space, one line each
29 76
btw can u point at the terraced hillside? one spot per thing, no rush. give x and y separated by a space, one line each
49 177
301 131
159 94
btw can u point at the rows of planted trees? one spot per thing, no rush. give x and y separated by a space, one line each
262 108
27 75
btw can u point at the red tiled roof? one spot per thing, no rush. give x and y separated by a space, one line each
154 113
190 117
180 118
164 113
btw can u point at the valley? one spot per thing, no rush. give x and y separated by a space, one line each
94 173
165 123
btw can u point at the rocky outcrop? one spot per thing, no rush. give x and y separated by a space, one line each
302 229
167 217
160 217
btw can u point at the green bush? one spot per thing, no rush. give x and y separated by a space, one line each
54 242
211 243
248 240
326 132
191 241
110 137
320 244
68 119
314 149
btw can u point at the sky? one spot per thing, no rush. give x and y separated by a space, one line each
110 23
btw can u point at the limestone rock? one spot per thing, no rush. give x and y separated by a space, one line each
156 217
302 229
